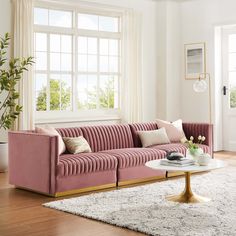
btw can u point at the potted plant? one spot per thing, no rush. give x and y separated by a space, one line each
194 151
11 71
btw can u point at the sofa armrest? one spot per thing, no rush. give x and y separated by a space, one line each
32 161
196 129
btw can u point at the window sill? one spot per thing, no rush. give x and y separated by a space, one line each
69 117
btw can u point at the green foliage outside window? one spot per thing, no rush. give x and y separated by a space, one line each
59 97
106 96
60 94
233 98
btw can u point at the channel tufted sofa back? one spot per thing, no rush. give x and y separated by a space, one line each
70 132
107 137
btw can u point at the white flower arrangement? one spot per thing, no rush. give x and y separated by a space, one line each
194 146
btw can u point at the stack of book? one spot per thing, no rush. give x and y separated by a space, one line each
180 163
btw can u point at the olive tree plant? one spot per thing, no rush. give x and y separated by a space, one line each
11 71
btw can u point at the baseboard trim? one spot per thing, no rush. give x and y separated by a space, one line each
136 181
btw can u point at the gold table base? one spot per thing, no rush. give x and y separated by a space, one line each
187 196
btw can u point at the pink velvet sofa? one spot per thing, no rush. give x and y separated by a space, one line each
117 158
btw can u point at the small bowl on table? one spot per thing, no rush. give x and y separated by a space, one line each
204 159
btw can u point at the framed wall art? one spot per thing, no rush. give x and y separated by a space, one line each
194 60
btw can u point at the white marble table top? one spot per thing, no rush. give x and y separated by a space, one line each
214 164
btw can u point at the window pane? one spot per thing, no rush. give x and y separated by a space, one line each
106 98
92 92
109 24
41 61
66 64
60 18
233 97
82 83
116 83
113 64
41 100
41 92
103 46
232 61
92 63
66 43
54 101
66 81
55 61
66 92
55 92
86 21
82 44
82 63
82 101
104 63
55 43
116 100
40 16
92 83
41 42
232 43
40 82
55 82
92 46
113 47
82 92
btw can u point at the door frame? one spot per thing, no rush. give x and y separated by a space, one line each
226 112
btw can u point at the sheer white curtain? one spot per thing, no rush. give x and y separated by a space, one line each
23 47
132 55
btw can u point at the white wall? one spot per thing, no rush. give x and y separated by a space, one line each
168 67
198 21
5 26
173 57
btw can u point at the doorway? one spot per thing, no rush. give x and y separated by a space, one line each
229 88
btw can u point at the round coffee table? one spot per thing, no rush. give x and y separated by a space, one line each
187 196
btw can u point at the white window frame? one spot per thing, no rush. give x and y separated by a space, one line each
76 115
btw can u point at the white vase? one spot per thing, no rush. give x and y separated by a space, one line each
194 156
3 156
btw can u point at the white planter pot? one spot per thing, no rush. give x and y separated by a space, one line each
196 155
3 156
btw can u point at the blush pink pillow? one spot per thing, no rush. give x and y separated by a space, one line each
52 131
174 130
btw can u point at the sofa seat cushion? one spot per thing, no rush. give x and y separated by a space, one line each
178 147
84 163
129 157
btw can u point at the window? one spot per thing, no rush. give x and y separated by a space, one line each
78 62
232 69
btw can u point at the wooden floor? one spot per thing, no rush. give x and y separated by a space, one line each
21 214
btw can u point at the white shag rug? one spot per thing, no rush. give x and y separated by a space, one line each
146 210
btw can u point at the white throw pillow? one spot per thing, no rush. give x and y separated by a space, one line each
174 130
52 131
153 137
77 145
